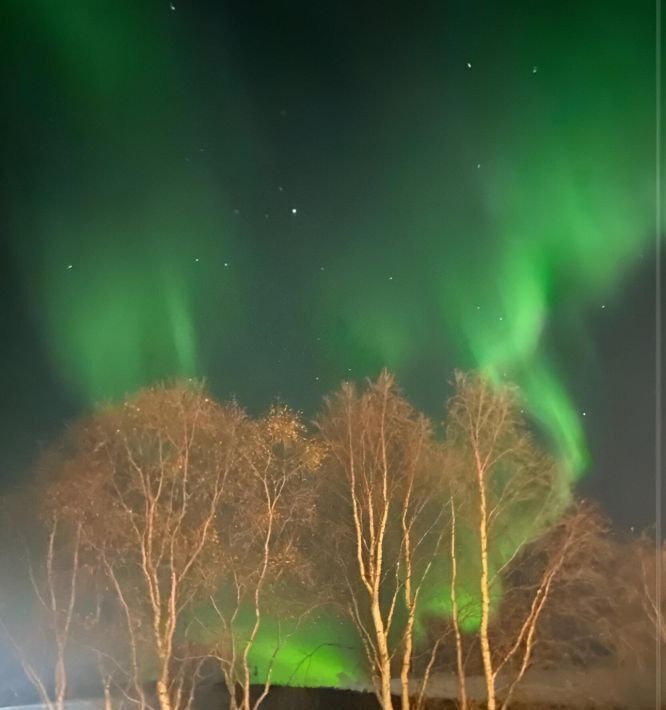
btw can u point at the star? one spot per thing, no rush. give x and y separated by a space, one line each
69 267
172 6
535 68
469 65
390 278
584 414
603 305
478 165
294 210
226 263
196 259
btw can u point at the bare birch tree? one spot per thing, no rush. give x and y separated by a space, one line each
384 517
602 608
265 529
532 581
514 490
52 566
146 480
649 591
632 580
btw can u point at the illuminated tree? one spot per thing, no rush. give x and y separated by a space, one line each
145 480
265 528
509 491
383 518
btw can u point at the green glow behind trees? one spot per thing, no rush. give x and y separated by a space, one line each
212 533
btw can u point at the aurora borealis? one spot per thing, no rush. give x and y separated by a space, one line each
275 197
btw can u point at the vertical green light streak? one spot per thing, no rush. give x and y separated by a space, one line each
123 256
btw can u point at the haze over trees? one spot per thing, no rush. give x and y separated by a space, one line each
175 536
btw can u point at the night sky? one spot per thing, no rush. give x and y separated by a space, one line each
279 195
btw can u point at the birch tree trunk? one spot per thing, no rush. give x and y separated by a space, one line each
383 657
485 594
162 691
460 669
